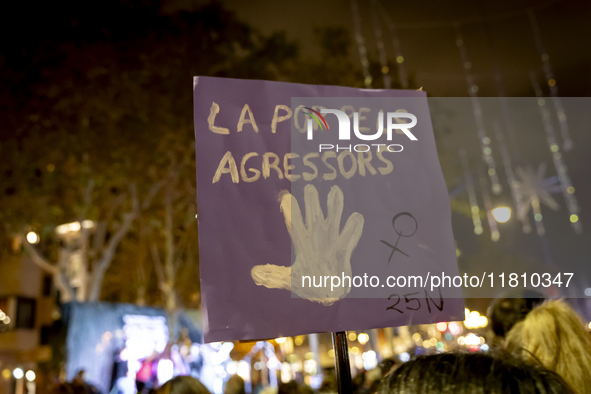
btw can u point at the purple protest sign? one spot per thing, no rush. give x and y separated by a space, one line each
256 183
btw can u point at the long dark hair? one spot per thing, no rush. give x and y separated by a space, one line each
472 373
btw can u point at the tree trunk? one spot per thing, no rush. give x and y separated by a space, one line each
169 266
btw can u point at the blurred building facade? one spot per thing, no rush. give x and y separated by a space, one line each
28 311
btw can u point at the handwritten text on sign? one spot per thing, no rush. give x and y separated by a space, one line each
352 159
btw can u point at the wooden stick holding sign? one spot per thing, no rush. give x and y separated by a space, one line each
341 360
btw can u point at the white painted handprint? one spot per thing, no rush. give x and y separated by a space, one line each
321 249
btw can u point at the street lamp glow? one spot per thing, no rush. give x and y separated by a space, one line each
502 214
363 338
32 237
30 375
475 320
280 340
74 227
17 373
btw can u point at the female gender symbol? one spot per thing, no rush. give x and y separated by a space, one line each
400 234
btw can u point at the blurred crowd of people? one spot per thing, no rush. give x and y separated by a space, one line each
78 385
541 347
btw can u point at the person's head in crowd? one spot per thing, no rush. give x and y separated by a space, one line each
358 383
374 387
388 365
472 373
63 388
554 335
234 385
329 385
508 311
183 385
72 388
305 389
291 387
79 378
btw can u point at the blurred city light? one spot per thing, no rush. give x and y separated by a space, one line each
363 338
18 373
74 227
370 360
472 340
455 328
310 367
286 374
280 340
441 326
165 371
232 368
218 386
475 320
404 357
501 214
32 237
244 370
30 375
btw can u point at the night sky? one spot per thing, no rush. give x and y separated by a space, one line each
427 38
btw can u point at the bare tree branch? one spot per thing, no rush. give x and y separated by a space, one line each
100 231
158 265
87 194
38 259
168 234
152 193
120 199
85 240
109 251
60 278
182 245
135 201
